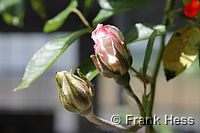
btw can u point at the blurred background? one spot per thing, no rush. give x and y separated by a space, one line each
38 110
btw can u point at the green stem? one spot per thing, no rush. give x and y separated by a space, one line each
134 96
168 6
83 19
124 82
102 122
199 55
140 76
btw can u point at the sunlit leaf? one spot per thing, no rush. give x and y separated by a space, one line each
141 32
88 69
39 8
111 7
181 50
121 5
56 22
46 56
102 16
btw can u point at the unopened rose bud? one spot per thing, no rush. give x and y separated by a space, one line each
75 94
112 56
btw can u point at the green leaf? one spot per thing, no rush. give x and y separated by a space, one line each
88 69
88 4
56 22
46 56
111 7
102 16
121 5
4 4
186 1
39 8
14 15
148 52
132 34
142 32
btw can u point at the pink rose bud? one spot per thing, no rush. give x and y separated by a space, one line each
112 56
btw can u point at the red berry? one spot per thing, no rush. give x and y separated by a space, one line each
190 11
195 4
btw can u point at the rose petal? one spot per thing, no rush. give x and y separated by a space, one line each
117 32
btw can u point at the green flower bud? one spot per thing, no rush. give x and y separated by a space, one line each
75 93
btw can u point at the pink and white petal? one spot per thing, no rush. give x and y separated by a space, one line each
99 32
106 50
121 48
117 32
